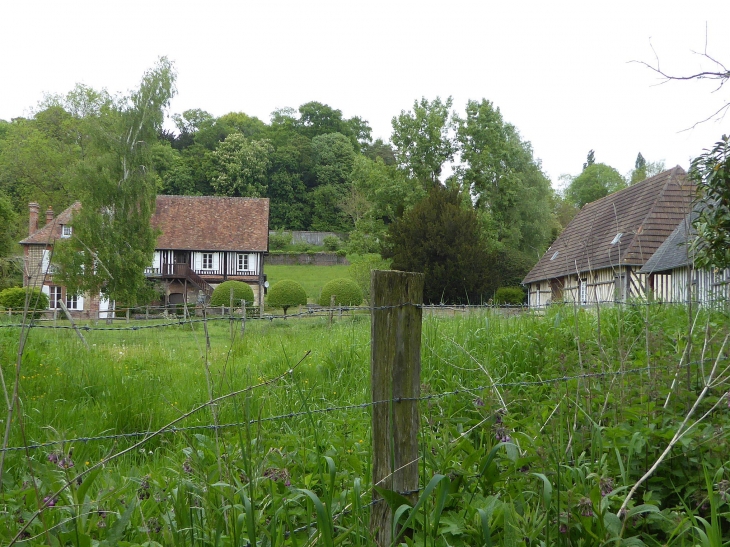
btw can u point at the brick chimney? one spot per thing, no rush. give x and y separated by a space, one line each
49 215
33 217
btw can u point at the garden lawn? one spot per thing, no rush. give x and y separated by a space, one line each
312 278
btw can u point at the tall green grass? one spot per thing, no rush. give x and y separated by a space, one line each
584 419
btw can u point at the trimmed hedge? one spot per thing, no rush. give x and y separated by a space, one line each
512 296
285 294
14 298
222 294
346 291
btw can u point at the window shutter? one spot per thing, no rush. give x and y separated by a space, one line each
197 261
46 261
216 260
79 302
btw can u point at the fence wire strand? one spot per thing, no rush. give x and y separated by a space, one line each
342 408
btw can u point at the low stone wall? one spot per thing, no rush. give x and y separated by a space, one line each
313 238
315 259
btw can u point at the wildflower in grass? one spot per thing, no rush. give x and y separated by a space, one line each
187 466
723 487
585 506
49 501
606 486
153 525
143 492
478 402
278 475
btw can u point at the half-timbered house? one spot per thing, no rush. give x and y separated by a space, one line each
599 255
677 279
205 240
202 241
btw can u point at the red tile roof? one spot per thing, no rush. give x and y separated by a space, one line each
645 214
212 223
52 231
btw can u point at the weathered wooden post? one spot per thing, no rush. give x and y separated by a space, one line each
230 313
127 315
395 378
243 318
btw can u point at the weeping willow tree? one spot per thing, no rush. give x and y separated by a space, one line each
112 241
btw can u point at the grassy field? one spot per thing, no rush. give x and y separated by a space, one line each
312 278
590 403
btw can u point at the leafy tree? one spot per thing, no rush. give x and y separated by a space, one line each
113 241
345 291
242 166
285 294
422 140
380 149
333 158
8 230
503 176
596 181
443 239
361 267
222 294
711 172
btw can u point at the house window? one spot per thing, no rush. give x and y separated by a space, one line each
242 262
207 261
54 297
72 302
66 231
584 291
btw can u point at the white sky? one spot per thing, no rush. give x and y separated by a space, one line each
559 71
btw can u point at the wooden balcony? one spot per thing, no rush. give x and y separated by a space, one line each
179 271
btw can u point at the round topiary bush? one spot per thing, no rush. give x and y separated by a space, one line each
285 294
346 291
14 298
222 294
509 296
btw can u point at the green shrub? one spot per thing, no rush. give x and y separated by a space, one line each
346 291
279 240
360 268
285 294
332 243
14 298
513 296
222 294
301 246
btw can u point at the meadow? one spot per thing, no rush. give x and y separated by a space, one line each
311 277
536 429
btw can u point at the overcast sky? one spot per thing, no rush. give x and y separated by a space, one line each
561 72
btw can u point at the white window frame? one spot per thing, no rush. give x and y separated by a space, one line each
243 262
66 231
584 290
73 301
55 295
207 261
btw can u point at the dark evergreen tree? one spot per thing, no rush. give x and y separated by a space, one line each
590 160
444 239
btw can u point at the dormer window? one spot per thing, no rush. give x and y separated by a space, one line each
555 255
66 231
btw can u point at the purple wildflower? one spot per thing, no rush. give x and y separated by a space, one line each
585 506
49 501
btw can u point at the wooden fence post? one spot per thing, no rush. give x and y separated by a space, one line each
332 307
243 318
395 377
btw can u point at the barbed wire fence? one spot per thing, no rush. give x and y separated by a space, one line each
320 312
